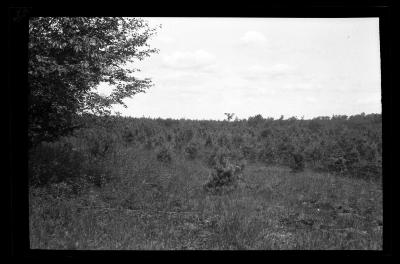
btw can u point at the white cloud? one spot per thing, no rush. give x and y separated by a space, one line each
182 78
253 37
273 72
311 99
199 59
301 86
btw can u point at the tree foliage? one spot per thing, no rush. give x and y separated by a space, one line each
229 116
69 57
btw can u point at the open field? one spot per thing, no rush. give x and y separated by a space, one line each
151 204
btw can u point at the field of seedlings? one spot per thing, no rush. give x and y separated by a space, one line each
162 184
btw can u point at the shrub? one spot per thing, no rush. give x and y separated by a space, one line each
148 131
265 133
54 163
285 150
184 136
99 142
314 125
297 164
223 141
209 141
367 170
164 155
336 164
352 157
313 153
255 120
267 154
191 150
159 141
128 137
216 157
237 141
170 122
249 153
224 178
97 173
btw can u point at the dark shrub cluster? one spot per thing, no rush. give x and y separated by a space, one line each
128 137
249 152
99 142
209 141
223 141
297 164
216 157
54 163
61 162
164 155
224 178
191 150
267 154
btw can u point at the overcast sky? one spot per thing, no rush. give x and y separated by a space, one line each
270 66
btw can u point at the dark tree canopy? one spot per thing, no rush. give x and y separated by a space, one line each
69 57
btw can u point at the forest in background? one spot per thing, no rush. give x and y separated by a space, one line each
348 146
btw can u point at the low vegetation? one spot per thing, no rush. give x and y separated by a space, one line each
124 183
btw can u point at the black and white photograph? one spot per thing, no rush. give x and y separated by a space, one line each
205 133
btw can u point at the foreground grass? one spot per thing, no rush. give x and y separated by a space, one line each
151 205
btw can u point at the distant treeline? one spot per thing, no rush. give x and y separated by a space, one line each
349 146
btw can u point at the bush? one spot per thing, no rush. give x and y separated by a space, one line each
223 141
249 152
336 165
209 141
99 142
237 141
97 173
149 144
128 137
216 157
54 163
191 151
164 155
298 162
367 170
224 178
313 153
267 155
265 133
352 157
285 150
255 120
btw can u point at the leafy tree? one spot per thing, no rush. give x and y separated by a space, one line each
69 57
229 116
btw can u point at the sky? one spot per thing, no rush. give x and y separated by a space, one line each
303 67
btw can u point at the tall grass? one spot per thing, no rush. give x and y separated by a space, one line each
156 205
141 187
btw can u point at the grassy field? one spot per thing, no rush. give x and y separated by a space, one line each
151 205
